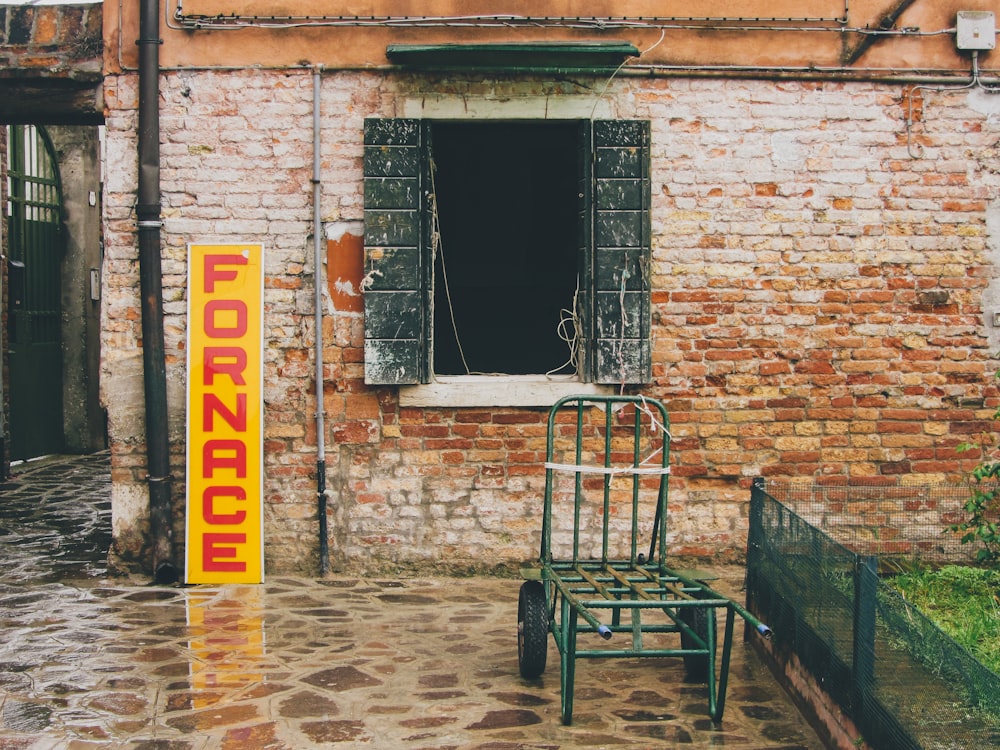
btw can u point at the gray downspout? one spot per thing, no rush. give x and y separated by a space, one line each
324 548
151 291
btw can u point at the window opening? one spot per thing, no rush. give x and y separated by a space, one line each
506 248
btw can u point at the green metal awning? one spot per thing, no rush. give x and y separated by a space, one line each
524 57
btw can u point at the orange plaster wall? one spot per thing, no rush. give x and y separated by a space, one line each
345 270
364 47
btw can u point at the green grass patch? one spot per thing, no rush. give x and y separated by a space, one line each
964 602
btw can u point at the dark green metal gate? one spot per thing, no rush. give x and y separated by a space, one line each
34 309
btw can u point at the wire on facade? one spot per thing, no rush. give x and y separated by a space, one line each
607 83
916 150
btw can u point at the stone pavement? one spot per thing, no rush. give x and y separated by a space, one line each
92 661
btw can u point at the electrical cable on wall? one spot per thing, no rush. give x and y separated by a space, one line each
607 83
177 19
916 150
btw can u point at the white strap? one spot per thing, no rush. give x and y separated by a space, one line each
608 469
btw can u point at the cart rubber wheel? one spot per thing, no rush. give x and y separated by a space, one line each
695 666
532 629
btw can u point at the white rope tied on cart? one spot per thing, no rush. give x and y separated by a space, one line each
614 470
655 426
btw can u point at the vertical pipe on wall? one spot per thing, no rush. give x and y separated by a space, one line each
151 292
324 549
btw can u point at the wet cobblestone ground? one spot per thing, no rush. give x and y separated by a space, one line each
91 661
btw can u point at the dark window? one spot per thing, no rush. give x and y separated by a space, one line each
490 246
506 254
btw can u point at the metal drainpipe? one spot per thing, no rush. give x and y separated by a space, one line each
324 548
151 291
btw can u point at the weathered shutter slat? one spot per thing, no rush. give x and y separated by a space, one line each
395 319
621 247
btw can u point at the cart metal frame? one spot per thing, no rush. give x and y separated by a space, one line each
639 595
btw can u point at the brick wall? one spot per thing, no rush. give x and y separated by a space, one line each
817 302
50 64
51 41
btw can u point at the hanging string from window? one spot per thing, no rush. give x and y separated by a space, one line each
568 330
437 249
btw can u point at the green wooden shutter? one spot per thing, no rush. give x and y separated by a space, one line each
621 252
394 283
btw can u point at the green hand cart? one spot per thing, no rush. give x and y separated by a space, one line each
606 456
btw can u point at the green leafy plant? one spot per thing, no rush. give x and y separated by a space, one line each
983 507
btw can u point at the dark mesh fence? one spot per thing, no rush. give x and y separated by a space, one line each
892 671
883 517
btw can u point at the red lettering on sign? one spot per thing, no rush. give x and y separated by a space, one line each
223 454
213 274
216 331
212 405
208 498
214 546
224 360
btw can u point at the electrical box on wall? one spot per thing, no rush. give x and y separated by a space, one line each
976 30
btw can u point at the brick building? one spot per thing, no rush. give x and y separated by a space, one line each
783 224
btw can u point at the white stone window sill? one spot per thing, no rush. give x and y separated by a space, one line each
497 390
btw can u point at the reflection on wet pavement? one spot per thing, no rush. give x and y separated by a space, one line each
93 662
55 519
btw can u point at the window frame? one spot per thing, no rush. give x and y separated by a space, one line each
615 249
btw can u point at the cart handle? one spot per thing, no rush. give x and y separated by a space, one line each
736 607
603 630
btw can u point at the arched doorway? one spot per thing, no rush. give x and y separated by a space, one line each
35 247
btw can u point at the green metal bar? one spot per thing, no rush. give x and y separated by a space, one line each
626 653
662 498
710 645
759 626
656 598
636 462
567 672
653 604
570 600
727 647
578 482
546 551
605 531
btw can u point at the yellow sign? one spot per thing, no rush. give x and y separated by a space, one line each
224 537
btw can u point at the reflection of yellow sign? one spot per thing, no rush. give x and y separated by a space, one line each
226 641
224 414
